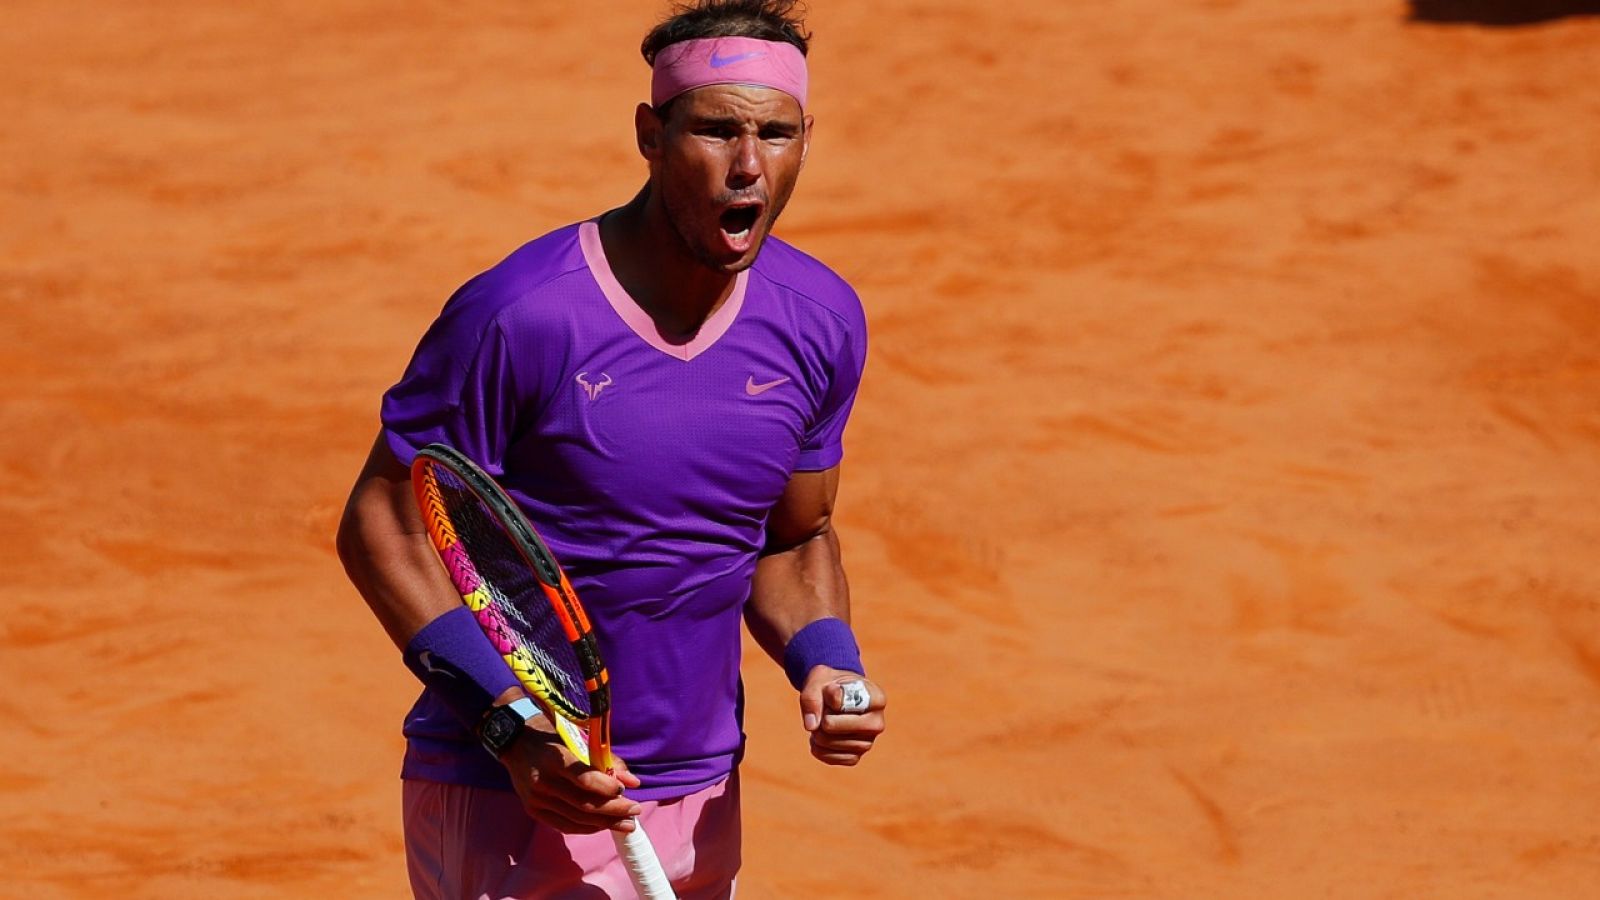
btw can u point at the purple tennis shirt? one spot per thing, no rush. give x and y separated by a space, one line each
649 467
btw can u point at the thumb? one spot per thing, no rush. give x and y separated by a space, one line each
811 704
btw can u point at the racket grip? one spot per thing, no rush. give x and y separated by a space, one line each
639 857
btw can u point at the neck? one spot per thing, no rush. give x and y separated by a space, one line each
658 272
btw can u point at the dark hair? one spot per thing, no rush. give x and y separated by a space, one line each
767 20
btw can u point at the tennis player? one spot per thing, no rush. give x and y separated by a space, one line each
662 389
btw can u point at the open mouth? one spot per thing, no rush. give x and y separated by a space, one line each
737 221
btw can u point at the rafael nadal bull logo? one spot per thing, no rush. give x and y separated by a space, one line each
594 389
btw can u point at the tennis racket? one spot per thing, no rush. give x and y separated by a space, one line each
525 605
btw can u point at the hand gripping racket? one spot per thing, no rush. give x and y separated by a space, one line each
522 600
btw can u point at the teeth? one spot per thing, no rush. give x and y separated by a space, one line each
739 235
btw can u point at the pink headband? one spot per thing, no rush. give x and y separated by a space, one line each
687 65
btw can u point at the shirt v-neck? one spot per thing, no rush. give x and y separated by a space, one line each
639 321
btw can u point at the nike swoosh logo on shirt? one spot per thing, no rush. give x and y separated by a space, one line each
751 388
718 62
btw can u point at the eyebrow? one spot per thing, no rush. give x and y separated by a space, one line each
734 122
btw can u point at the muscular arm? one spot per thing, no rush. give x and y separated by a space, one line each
799 580
385 549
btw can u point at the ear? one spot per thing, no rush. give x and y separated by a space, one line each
648 131
805 139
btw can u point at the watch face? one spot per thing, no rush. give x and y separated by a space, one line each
499 729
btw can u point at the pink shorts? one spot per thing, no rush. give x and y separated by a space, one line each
467 843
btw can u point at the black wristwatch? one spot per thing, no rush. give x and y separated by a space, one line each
502 724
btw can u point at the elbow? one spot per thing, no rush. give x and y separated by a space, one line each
350 542
794 540
346 541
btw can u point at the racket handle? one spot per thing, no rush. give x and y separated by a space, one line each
639 857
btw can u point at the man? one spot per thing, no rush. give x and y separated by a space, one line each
663 390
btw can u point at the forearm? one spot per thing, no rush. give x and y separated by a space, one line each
799 612
795 587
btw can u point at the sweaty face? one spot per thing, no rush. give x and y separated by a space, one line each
725 161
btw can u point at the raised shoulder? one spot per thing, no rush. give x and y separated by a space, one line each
802 275
478 371
509 285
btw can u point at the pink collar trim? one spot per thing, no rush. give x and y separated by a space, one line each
639 321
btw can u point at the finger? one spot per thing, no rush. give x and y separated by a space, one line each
865 730
589 779
853 694
575 801
851 745
579 800
836 759
570 818
594 781
562 823
811 706
865 727
621 772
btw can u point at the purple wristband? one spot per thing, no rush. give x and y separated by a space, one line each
825 642
453 658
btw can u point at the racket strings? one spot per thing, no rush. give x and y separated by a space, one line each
526 617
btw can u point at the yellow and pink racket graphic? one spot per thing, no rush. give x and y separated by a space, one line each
519 595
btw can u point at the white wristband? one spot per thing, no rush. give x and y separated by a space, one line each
526 708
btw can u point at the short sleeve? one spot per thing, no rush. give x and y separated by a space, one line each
823 447
460 388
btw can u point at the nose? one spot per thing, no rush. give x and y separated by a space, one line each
745 168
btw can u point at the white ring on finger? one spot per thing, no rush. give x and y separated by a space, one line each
855 697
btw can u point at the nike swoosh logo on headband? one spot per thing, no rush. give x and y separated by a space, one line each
718 62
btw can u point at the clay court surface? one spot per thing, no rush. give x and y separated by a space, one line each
1220 505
